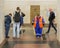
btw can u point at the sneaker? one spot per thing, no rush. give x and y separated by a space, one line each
47 33
38 37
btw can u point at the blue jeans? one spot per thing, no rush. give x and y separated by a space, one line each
16 29
7 27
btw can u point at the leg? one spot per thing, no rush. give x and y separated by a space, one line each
54 27
40 32
7 31
49 27
36 32
18 29
14 29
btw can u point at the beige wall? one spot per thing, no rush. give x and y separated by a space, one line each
1 22
10 6
58 18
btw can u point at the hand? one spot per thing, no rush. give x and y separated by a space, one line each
43 24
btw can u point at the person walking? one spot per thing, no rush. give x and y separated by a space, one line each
38 24
51 21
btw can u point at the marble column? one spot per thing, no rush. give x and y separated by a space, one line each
58 21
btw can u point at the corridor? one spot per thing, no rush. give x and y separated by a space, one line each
28 39
30 8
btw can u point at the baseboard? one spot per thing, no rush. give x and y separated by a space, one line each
4 41
27 24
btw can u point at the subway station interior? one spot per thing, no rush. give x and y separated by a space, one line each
27 38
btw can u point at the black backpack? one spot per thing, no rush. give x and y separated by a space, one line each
17 17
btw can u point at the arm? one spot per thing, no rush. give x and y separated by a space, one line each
10 19
43 21
32 21
23 14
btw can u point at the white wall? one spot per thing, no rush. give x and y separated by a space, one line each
1 22
10 6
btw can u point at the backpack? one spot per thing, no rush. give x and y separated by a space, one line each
17 17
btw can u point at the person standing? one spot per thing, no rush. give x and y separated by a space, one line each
16 24
51 20
7 24
21 18
21 21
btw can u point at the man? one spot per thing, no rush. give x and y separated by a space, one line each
16 24
21 21
38 25
51 20
7 24
21 18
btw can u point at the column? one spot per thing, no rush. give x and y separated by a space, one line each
2 36
58 21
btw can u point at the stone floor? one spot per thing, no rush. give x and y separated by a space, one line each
28 39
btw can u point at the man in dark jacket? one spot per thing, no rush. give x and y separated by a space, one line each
21 18
7 24
51 20
21 21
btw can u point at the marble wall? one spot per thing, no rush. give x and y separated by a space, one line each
58 21
2 37
10 6
7 6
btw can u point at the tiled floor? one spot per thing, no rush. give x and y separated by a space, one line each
28 40
31 46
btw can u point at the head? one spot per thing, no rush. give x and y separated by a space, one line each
50 10
10 14
18 9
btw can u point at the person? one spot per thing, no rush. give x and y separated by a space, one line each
21 18
51 20
7 24
16 24
38 23
21 21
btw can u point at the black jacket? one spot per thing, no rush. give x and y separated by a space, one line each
52 16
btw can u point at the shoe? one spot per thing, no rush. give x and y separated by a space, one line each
38 37
47 33
7 37
23 31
